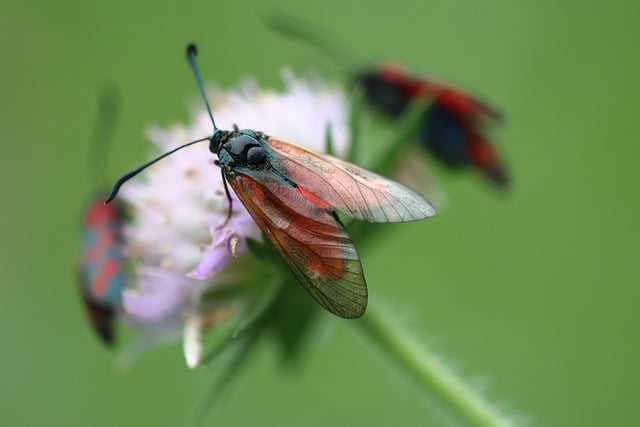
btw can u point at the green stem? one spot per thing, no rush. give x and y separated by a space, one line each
432 374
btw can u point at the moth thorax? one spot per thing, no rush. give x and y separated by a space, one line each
246 150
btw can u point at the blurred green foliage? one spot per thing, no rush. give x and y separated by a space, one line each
535 292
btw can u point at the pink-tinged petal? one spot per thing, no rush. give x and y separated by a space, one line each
214 258
159 296
228 242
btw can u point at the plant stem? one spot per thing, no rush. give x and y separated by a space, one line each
430 372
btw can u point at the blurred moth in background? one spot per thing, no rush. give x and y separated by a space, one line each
453 130
293 195
99 268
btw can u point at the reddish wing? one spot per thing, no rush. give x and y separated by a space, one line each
309 237
335 184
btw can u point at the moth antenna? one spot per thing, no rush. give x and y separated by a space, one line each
192 52
105 123
127 176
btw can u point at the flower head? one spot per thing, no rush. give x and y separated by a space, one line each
181 238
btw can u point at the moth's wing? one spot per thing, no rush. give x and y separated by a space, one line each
101 316
309 237
101 263
346 187
100 267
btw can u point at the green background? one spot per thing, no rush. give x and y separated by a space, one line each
532 296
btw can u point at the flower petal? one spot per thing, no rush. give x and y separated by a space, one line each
159 296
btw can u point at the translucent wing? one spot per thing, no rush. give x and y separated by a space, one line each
309 237
343 186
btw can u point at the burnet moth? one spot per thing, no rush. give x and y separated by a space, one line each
293 193
99 268
453 130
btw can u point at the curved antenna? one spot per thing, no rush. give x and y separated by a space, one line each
289 26
105 123
127 176
192 52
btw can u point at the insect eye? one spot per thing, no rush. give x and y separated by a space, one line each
256 156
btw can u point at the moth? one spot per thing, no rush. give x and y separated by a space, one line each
293 194
100 267
452 130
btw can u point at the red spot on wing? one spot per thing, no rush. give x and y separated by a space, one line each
107 238
484 156
482 153
458 103
99 285
110 268
99 213
313 198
